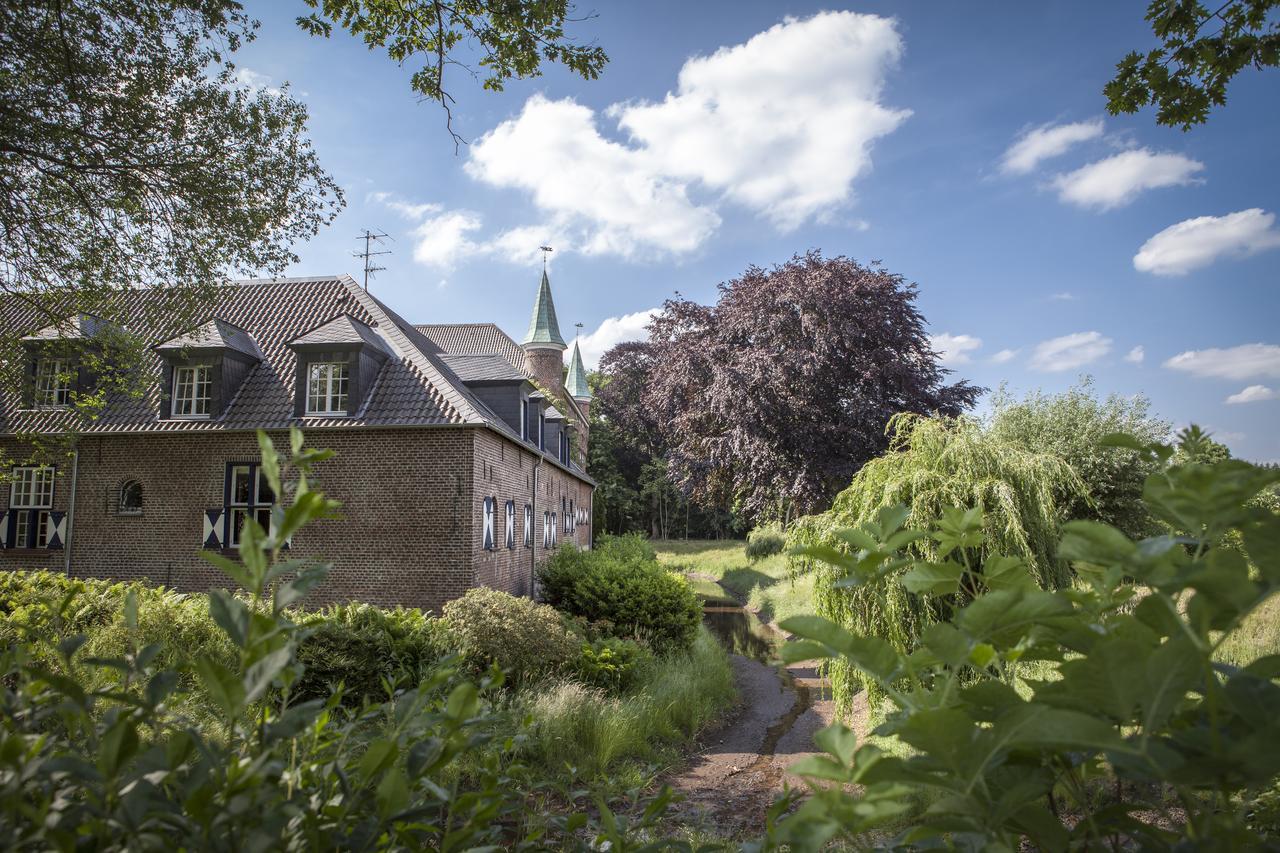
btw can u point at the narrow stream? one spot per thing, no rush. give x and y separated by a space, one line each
742 633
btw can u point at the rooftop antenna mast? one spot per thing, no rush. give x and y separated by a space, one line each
370 240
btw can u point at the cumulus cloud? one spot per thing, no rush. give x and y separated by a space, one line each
1004 356
1253 394
250 79
613 331
443 240
782 124
1064 296
954 349
1195 243
1044 142
1070 351
1243 362
1136 355
1118 180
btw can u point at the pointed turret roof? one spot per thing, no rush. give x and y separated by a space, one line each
576 382
544 331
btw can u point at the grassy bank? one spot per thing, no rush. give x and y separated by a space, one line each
764 585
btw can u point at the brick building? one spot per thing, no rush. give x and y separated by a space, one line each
460 453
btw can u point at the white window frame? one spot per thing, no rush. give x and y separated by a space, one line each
53 383
196 383
33 502
255 508
322 398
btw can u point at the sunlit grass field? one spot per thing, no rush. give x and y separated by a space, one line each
765 585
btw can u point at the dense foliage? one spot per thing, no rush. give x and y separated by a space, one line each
1093 717
1071 426
770 400
934 464
619 588
526 639
1201 49
129 156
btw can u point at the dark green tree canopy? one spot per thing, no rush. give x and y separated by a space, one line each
128 157
1201 49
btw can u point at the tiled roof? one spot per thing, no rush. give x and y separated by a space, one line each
543 327
215 334
415 386
80 327
473 339
483 368
576 382
554 414
341 330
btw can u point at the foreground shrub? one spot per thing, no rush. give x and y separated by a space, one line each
625 591
765 542
525 639
934 464
366 649
1129 713
584 728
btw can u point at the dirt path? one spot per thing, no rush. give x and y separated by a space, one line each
741 767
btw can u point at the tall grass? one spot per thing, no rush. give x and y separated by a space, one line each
933 464
585 732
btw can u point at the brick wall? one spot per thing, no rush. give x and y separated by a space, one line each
410 530
504 470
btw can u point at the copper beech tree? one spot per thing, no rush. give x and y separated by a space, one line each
771 399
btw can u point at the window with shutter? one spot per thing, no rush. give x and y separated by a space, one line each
488 524
29 522
528 525
511 525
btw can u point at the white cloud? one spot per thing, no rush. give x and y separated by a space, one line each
954 349
1046 141
250 79
1064 296
1136 355
613 331
1198 242
1253 394
1119 179
1070 351
442 241
782 124
1243 362
1004 356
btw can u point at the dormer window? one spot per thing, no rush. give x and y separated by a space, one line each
338 366
327 384
192 391
53 383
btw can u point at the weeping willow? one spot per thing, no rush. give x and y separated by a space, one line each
933 464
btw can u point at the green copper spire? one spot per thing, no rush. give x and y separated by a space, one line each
543 328
576 382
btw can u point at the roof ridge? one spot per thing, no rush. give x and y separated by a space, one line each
434 372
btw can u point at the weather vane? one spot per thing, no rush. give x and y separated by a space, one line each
546 250
578 326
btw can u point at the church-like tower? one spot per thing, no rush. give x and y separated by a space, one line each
543 346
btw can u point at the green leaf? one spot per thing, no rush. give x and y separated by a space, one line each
118 745
259 676
463 702
933 578
1006 616
1000 572
951 646
380 755
870 654
222 685
231 615
796 651
837 740
392 794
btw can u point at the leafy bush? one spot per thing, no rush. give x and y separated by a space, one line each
625 589
765 542
628 548
934 464
525 639
1071 426
611 663
361 646
1125 713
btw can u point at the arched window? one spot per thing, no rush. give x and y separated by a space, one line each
130 498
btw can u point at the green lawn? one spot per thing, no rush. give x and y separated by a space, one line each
764 585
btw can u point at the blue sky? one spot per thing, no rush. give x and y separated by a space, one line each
966 147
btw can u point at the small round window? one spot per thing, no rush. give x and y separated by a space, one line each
131 498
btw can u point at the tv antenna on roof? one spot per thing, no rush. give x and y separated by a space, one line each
546 250
370 240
